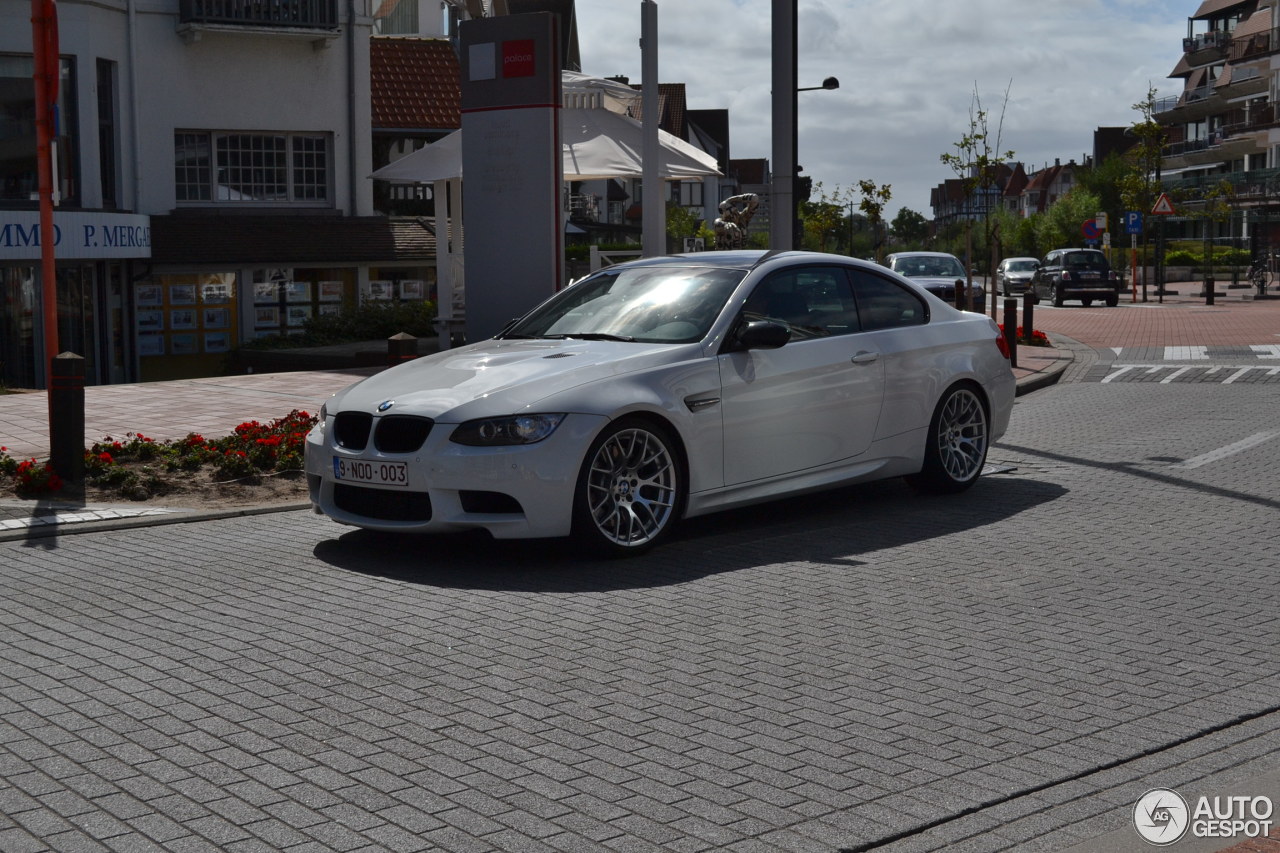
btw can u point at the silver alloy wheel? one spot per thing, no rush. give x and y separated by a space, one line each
632 486
962 435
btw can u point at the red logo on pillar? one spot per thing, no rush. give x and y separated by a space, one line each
517 58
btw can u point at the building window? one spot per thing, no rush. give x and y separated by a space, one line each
18 173
396 18
108 167
252 168
687 193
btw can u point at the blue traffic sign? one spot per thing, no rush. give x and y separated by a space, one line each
1133 222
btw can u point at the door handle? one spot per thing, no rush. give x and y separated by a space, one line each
864 357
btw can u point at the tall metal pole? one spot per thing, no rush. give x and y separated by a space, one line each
44 43
653 217
782 204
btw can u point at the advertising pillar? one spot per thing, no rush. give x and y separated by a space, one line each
511 166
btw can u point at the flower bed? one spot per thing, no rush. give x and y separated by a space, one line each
1034 338
138 467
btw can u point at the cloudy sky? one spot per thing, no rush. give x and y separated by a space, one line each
908 71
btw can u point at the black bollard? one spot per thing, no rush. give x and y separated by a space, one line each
1028 311
1011 329
401 347
66 418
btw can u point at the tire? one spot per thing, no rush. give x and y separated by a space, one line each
1057 296
1113 301
956 448
1086 302
631 489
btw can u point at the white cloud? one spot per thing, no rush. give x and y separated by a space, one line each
908 70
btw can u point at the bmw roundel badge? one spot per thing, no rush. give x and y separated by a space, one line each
386 404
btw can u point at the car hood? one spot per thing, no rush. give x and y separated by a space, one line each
497 377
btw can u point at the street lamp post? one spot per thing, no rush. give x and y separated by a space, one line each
783 217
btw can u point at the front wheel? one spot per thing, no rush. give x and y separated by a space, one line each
630 490
1056 293
1113 301
956 449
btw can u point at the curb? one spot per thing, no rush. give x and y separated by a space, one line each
1046 377
50 531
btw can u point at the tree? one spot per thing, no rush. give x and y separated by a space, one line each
909 229
977 161
874 198
1060 225
824 219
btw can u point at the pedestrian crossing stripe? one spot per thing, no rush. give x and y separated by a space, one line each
1237 371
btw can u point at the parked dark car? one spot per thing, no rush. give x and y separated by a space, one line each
1082 274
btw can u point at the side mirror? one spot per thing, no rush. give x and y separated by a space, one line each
762 334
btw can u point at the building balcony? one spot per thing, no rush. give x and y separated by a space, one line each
1253 46
1247 189
309 19
1218 148
1206 47
1191 105
1244 81
1251 120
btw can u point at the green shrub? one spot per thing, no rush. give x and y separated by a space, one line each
1180 258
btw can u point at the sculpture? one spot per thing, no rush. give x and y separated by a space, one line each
731 226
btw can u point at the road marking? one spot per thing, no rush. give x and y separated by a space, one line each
1124 368
1186 353
1230 450
1266 350
1121 371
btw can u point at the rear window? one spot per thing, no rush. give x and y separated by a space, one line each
1084 261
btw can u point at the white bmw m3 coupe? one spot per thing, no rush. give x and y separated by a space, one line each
667 388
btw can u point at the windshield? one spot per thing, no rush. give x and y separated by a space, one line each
651 304
926 266
1022 266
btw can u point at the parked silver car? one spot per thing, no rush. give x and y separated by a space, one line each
668 388
1014 275
937 272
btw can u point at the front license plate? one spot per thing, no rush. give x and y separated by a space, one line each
377 473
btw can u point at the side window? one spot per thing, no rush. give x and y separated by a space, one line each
815 302
884 304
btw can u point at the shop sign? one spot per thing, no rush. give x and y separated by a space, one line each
78 235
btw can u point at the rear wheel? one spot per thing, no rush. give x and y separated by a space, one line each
1057 296
1113 301
631 489
956 448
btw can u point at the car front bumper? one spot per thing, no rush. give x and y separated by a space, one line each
521 491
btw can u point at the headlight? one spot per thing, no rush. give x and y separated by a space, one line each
499 432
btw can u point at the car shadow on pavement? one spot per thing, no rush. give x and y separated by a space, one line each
835 527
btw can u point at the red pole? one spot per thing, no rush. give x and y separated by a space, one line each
44 42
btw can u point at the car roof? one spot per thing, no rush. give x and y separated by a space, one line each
744 259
